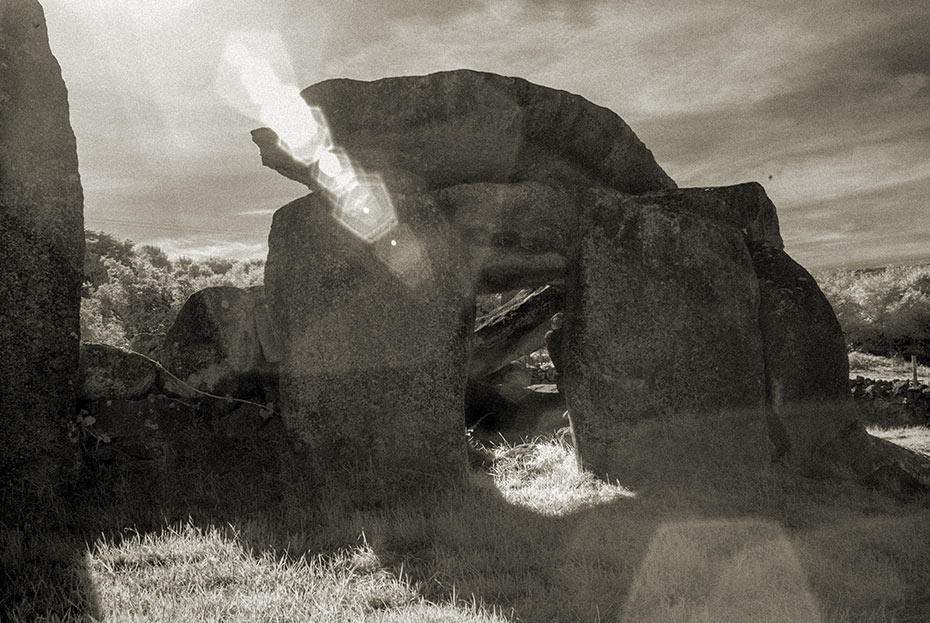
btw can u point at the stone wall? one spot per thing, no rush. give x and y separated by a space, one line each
892 403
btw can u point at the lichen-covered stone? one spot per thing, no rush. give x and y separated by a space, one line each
664 377
41 237
374 338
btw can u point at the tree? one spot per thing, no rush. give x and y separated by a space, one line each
139 290
883 312
98 245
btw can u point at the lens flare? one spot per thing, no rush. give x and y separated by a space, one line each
363 208
362 202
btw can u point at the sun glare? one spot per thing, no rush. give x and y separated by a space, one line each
362 202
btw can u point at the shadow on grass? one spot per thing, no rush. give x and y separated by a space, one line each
44 575
674 549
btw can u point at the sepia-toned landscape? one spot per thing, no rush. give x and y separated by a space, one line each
490 360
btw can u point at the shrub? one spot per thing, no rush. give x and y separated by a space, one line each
129 290
883 312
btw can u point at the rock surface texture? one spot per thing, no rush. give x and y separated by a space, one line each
694 345
375 336
215 345
807 370
41 234
110 373
664 373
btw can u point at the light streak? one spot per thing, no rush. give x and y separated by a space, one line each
362 202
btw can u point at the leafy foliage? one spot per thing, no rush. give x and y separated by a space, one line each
136 290
884 311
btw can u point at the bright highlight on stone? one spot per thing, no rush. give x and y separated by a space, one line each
362 202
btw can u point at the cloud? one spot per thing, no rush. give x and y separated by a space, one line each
199 249
878 227
259 212
831 99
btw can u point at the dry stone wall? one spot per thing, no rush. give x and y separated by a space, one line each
891 403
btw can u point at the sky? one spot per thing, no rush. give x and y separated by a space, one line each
825 103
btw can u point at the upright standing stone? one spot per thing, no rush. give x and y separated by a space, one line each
664 376
375 341
42 242
806 364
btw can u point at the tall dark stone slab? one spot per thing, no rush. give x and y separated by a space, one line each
664 378
375 342
41 234
807 369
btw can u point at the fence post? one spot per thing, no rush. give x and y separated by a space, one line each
914 367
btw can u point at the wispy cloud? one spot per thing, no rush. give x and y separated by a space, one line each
259 212
199 249
826 103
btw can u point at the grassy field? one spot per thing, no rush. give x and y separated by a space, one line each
527 539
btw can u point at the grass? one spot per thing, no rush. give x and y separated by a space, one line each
884 368
530 539
916 438
187 573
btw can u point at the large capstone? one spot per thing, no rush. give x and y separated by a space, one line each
41 235
374 336
665 377
463 126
